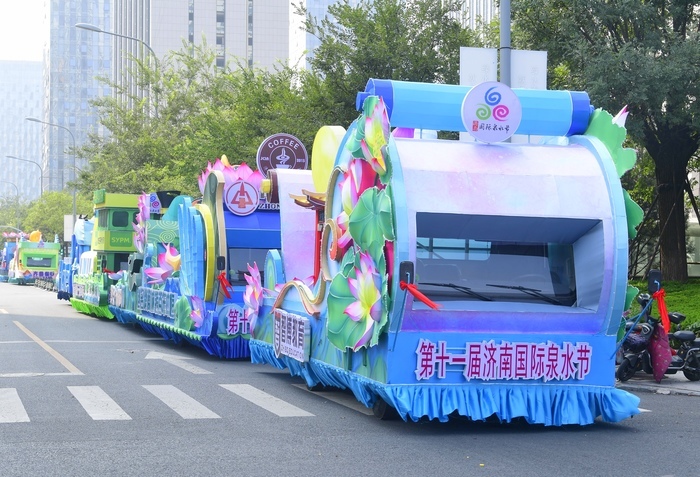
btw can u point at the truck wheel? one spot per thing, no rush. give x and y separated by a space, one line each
384 411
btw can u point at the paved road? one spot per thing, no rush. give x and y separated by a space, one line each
83 396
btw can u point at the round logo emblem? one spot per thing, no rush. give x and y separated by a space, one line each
242 198
491 112
281 151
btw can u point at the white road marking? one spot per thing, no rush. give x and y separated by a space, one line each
342 398
11 407
66 364
3 311
177 361
643 410
266 401
98 404
181 403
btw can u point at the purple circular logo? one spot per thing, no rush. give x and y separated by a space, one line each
281 151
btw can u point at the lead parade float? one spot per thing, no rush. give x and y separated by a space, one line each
481 278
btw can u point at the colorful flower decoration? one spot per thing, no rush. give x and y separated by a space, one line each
169 263
376 134
253 295
366 288
143 214
358 299
198 311
231 174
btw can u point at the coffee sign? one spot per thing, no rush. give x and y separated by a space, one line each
281 151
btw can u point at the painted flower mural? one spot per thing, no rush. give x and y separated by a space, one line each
358 299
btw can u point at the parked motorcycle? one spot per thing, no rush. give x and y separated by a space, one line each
636 346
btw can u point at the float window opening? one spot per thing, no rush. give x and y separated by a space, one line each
470 258
240 258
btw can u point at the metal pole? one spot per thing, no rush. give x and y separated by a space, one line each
505 42
41 172
96 29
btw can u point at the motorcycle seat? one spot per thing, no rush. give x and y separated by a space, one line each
683 335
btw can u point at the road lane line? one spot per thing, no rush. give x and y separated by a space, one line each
339 397
11 407
643 410
66 364
3 311
98 404
266 401
186 406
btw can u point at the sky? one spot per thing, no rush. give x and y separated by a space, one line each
22 29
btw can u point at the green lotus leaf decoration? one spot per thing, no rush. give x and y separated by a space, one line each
371 222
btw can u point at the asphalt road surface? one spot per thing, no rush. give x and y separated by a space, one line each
80 396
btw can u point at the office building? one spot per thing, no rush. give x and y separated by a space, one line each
21 95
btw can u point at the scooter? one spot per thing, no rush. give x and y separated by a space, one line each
636 345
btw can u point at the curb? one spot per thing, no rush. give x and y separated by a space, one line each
657 389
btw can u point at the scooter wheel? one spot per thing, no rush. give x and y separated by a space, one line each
692 375
625 371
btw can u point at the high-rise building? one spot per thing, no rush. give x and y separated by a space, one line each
72 64
21 95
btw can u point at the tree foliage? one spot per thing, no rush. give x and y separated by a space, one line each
46 213
387 39
640 53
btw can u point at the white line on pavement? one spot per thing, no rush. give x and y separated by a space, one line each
3 311
266 401
11 408
181 403
98 404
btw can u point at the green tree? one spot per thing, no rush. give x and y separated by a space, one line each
46 213
12 212
640 53
386 39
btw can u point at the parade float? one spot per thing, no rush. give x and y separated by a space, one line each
34 260
483 278
7 253
187 280
81 240
111 242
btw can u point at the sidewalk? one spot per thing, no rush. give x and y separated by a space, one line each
670 384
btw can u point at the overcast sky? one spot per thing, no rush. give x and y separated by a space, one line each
22 29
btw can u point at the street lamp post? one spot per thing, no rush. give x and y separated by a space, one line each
41 172
35 120
96 29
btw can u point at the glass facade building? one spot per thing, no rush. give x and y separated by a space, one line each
72 64
21 95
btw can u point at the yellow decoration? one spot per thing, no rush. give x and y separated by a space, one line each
224 160
326 144
35 236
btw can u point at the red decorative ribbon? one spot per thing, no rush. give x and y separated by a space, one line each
663 311
224 283
418 295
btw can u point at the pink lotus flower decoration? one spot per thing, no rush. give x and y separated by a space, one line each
253 295
366 289
359 177
143 214
169 263
231 174
376 137
621 118
197 313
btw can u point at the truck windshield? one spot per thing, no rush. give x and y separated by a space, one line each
476 261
